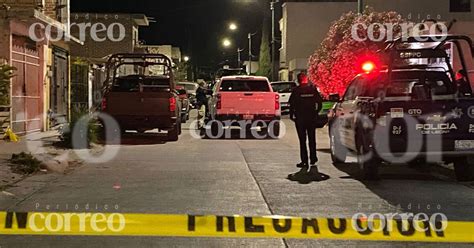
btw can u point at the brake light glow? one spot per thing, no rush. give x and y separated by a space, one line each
172 101
277 102
103 104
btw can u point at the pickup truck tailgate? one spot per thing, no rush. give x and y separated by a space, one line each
248 102
138 103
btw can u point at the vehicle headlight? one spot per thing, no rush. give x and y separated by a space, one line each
382 121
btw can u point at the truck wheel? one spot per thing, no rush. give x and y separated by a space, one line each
369 166
274 130
173 134
214 129
338 152
463 170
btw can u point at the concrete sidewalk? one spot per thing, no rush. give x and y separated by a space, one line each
38 144
32 143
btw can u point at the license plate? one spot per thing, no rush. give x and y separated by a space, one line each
464 144
396 113
248 117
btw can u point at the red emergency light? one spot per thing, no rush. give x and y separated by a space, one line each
368 63
368 66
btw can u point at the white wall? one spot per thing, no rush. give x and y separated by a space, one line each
306 24
419 10
255 66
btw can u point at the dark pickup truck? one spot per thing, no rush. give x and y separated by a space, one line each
140 94
410 112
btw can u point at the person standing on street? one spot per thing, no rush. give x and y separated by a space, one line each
305 104
202 102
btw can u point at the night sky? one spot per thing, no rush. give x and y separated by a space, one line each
196 26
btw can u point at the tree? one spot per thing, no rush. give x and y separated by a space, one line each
264 60
6 73
338 58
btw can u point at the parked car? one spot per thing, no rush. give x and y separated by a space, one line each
406 113
142 98
185 106
252 99
190 88
284 89
225 72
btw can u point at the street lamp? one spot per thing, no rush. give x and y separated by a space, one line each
226 42
250 52
186 58
233 26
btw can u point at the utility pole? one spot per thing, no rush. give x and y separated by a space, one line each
238 57
250 52
272 8
360 6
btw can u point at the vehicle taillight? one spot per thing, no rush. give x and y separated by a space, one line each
172 104
103 104
219 102
277 102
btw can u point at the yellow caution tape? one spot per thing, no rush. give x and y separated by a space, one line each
117 224
10 135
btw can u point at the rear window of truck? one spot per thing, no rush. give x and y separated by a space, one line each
422 86
132 84
283 87
244 85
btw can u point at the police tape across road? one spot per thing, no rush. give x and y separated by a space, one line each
118 224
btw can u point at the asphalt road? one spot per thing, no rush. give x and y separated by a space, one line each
228 177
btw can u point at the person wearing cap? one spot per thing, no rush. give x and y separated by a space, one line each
305 104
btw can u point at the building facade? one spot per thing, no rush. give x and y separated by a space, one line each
104 34
304 25
173 53
41 83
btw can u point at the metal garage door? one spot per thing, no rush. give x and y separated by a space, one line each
26 87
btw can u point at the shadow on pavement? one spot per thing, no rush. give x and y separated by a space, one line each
387 172
306 177
324 150
236 135
132 139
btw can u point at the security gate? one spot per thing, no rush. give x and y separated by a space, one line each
26 86
59 101
79 87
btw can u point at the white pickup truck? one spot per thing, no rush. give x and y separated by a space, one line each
245 99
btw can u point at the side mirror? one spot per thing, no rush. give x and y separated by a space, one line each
334 98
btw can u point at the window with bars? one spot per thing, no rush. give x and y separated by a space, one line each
62 11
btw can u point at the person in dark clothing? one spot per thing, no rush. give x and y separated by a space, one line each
305 104
202 104
201 95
